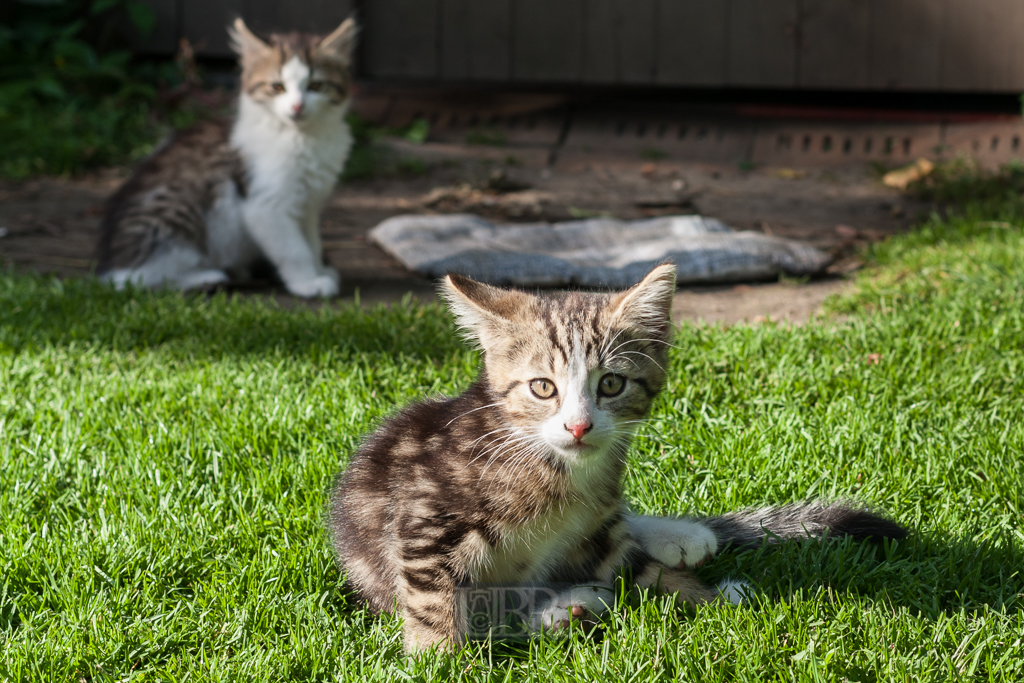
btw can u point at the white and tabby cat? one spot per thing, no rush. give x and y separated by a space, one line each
519 479
223 197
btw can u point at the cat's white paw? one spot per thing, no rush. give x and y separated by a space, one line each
675 542
331 272
319 286
736 592
583 603
197 279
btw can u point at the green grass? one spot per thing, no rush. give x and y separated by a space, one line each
164 462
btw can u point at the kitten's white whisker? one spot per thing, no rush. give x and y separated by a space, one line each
648 339
495 450
489 405
514 472
634 341
640 353
518 460
477 440
605 343
498 447
489 447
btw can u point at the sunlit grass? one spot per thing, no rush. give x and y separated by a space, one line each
164 462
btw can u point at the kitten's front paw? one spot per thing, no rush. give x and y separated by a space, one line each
319 286
581 604
679 542
331 272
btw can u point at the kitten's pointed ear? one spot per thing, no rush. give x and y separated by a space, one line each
648 304
341 41
484 313
244 42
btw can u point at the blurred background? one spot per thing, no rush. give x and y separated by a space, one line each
782 116
900 46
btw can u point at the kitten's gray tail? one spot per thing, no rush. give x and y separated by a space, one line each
751 528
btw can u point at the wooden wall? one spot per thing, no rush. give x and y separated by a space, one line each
954 45
204 22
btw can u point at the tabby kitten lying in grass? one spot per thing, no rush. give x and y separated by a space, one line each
519 479
223 197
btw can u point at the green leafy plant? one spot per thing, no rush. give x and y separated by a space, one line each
370 158
962 181
70 96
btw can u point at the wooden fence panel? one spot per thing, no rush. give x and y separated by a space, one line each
313 16
904 44
400 38
619 42
981 46
600 42
693 42
936 45
164 37
547 42
637 41
762 43
205 24
476 40
833 44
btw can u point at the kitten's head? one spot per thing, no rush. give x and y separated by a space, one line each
297 76
574 372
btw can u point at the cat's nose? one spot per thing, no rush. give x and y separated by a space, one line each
297 108
579 429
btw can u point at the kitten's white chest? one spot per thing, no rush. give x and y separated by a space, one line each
529 551
287 162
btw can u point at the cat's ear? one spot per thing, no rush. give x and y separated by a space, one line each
648 304
244 42
486 314
341 41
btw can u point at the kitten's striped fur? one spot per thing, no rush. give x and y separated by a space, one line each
503 485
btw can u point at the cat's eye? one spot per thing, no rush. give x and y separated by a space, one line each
315 86
611 385
277 87
543 388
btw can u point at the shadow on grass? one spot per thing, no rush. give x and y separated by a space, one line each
929 575
37 312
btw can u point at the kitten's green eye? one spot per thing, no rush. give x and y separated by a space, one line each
315 86
543 388
611 385
277 87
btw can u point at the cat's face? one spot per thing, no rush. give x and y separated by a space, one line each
300 78
575 373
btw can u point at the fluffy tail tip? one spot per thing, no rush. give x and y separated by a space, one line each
863 525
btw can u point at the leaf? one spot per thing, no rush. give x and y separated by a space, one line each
142 16
101 6
50 88
418 131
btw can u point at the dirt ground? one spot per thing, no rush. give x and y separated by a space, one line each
50 224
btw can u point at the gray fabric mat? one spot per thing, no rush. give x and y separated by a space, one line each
598 252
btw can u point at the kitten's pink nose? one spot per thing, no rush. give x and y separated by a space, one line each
579 429
297 108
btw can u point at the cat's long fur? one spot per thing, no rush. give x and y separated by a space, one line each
225 196
501 485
